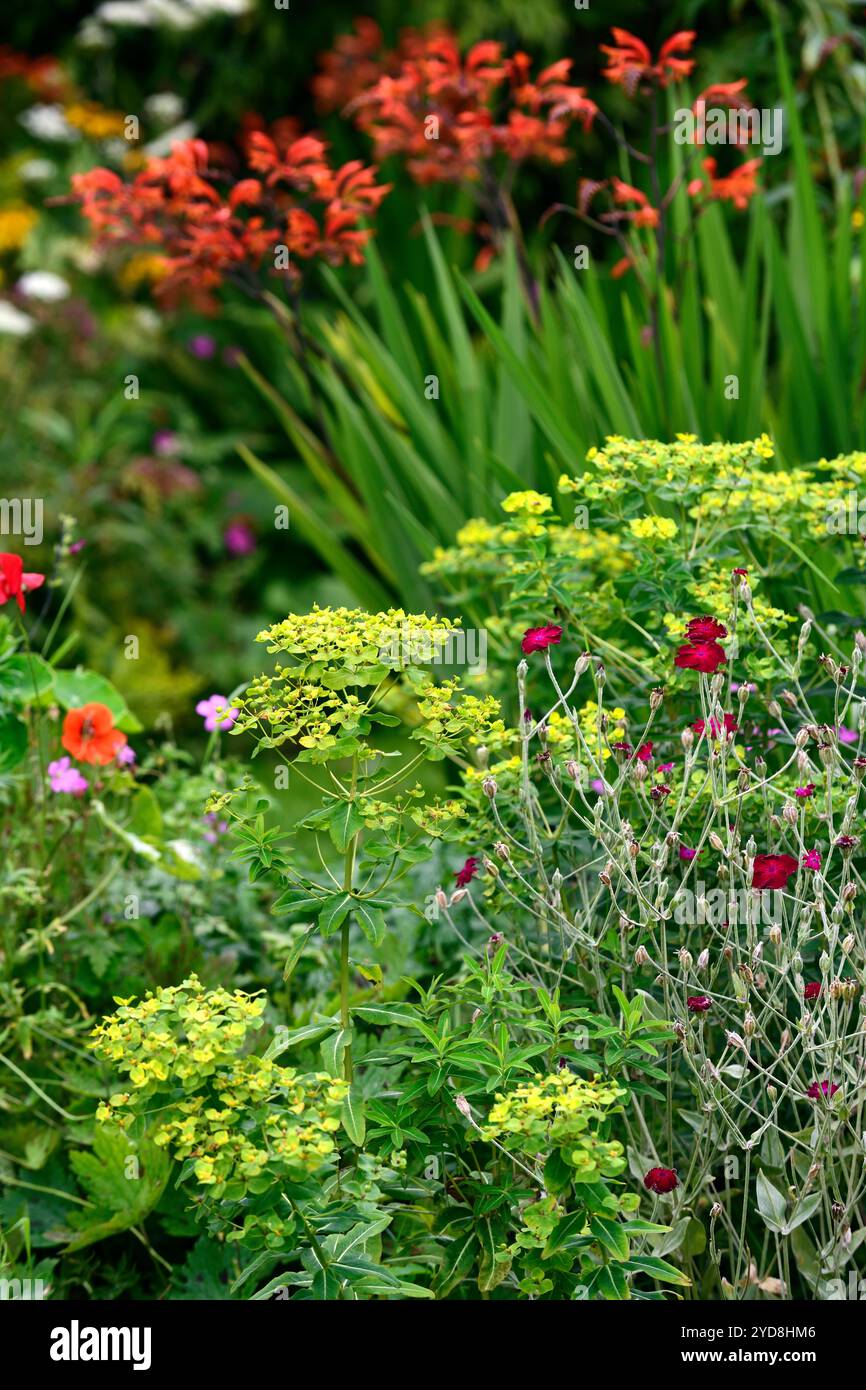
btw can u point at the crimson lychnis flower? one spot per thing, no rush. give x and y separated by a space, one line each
661 1180
773 870
535 639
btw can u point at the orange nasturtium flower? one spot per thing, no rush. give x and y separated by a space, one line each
90 736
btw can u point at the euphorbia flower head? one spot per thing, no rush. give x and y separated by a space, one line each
90 736
535 639
14 582
773 870
661 1180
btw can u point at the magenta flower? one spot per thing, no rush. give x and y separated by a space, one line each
165 443
804 792
215 713
467 872
535 639
827 1089
239 537
66 778
686 853
847 735
202 346
811 859
126 756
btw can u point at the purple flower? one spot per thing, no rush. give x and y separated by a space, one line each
216 705
847 735
202 346
126 756
165 443
220 827
66 778
76 546
239 537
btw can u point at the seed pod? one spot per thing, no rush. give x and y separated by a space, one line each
581 664
656 698
849 892
848 943
489 788
703 960
776 935
641 956
789 813
441 899
750 1024
501 850
717 842
686 959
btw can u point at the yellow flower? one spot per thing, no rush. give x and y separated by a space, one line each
95 121
16 224
651 528
533 502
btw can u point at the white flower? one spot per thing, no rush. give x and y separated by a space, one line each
43 285
13 322
48 123
161 146
135 12
165 107
35 170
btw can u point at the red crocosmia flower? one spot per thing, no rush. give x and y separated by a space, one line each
629 60
644 753
90 736
730 726
706 629
812 990
703 656
535 639
699 1003
822 1088
209 227
737 187
811 859
773 870
14 582
661 1180
468 871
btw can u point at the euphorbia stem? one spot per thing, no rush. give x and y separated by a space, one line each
348 877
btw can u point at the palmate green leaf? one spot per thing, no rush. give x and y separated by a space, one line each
123 1182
